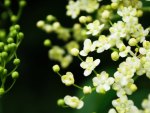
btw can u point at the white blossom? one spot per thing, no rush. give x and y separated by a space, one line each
67 79
73 102
89 65
102 82
94 28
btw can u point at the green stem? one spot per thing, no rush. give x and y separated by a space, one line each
146 9
77 86
59 74
80 58
10 86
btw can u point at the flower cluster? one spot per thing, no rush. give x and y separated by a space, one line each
10 39
115 28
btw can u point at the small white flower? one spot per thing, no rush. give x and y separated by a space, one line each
87 90
73 102
86 48
101 44
123 105
94 28
89 5
146 104
73 9
89 65
102 82
125 52
127 11
67 79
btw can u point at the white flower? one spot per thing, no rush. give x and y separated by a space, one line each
125 52
87 90
73 9
67 79
102 82
86 48
73 102
101 44
89 5
118 30
127 11
89 65
123 105
146 104
56 53
94 28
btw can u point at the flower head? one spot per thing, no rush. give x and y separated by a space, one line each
73 102
68 79
89 65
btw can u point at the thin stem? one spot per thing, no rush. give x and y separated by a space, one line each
10 86
12 70
59 74
95 72
80 58
77 86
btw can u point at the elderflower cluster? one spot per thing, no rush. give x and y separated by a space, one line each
113 28
10 39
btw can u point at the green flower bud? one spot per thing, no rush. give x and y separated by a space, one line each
2 91
17 27
47 42
115 56
12 46
6 48
82 19
74 52
13 33
40 24
56 68
60 102
5 71
4 54
14 18
50 18
132 42
10 40
114 5
7 3
15 75
20 35
16 61
22 3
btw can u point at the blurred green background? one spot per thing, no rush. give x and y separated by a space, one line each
38 88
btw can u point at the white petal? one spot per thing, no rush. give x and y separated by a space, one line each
87 72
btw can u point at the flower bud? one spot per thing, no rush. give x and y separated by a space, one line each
2 91
74 52
82 19
132 42
115 56
56 68
15 75
114 5
47 42
16 61
40 24
87 90
60 102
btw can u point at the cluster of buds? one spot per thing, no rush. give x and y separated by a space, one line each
10 39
